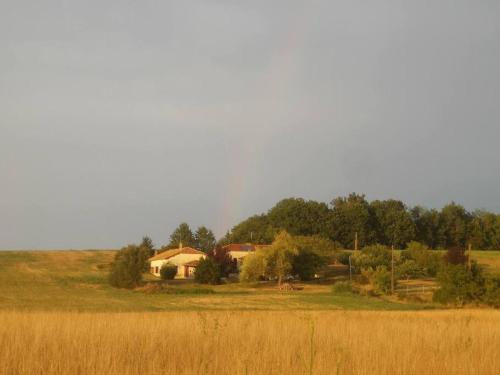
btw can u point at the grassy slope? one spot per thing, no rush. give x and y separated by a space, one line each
76 280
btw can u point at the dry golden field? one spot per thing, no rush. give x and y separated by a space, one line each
328 342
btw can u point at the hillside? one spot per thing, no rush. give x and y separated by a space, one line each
76 281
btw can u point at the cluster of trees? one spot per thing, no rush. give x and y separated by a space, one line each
460 280
286 256
387 222
202 239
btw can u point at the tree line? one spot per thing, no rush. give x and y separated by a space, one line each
386 222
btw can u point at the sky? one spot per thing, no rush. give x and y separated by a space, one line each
120 119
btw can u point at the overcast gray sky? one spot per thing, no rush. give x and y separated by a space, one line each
125 118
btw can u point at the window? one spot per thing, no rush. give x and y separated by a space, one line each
156 270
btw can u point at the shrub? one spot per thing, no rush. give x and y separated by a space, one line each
253 267
342 257
428 261
492 291
380 278
459 285
207 272
168 271
126 269
306 263
342 287
372 257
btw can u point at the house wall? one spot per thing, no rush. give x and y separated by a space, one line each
177 260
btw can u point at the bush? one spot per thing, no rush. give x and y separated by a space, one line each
372 257
306 263
342 257
492 291
459 285
126 269
380 278
342 287
168 271
207 272
428 261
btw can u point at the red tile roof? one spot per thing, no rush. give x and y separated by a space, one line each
173 252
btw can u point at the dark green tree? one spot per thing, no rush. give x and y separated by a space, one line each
393 222
255 229
147 251
204 239
426 226
182 234
453 225
306 264
300 217
207 272
352 215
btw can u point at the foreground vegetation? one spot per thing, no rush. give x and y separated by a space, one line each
438 342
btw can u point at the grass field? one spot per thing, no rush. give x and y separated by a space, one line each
76 281
59 316
276 342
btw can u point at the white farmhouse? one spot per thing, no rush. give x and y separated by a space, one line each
185 258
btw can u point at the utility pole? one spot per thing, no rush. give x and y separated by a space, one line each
356 241
350 269
392 269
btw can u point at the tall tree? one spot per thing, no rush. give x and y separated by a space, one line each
279 256
426 226
394 223
255 229
300 217
351 215
204 239
147 245
182 234
454 225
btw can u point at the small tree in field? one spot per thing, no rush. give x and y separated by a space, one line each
127 267
253 267
168 271
279 256
207 272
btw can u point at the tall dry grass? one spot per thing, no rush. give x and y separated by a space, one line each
437 342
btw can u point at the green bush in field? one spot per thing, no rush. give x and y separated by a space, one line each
126 269
306 264
380 278
492 291
459 284
207 272
428 261
168 271
342 287
372 257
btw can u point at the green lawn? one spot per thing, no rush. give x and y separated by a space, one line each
76 281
